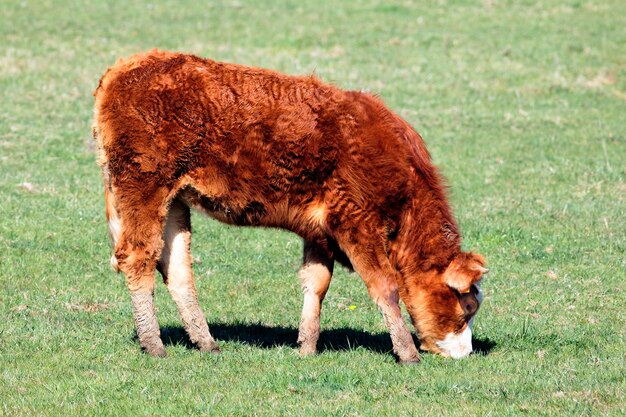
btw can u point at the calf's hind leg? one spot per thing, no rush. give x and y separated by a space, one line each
315 274
138 242
175 266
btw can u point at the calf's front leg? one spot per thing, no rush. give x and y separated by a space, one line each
379 277
315 275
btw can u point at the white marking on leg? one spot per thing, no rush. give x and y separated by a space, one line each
146 322
457 345
176 263
314 279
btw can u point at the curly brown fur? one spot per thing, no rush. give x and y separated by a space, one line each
250 146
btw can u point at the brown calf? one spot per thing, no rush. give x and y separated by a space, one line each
249 146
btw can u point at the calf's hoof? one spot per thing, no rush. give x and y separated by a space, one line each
308 345
156 351
211 348
307 350
413 360
153 346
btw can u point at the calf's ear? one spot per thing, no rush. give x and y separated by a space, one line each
464 270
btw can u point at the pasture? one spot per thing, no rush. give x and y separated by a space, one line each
522 106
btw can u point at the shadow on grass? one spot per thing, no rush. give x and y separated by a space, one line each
269 337
483 346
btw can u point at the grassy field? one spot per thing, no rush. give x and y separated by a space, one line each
523 106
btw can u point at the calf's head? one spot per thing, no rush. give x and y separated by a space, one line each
443 305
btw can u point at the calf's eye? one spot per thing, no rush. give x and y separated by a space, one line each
469 303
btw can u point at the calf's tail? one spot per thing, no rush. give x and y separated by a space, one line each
114 221
113 217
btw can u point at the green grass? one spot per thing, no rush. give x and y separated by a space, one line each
523 106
